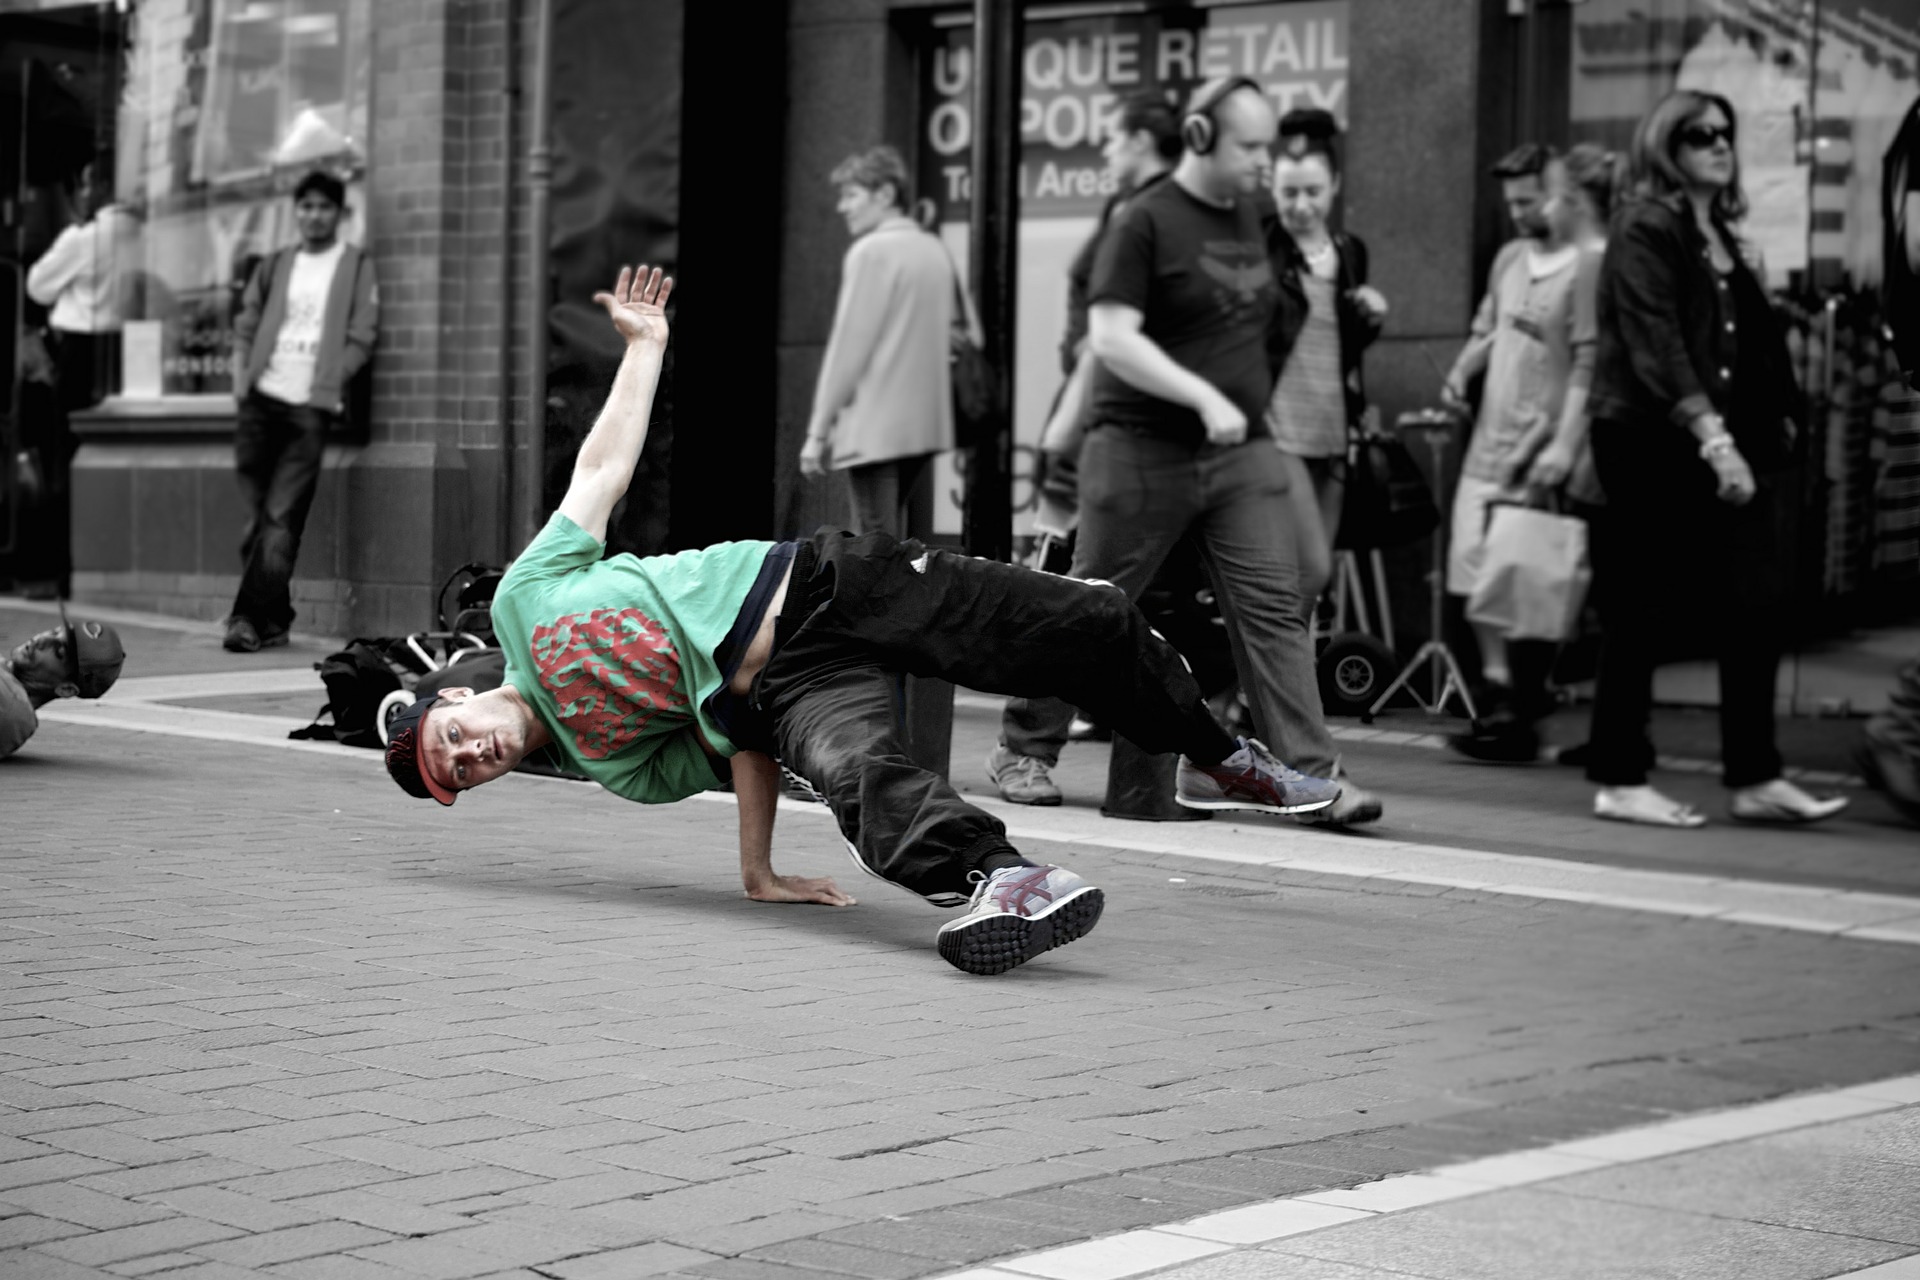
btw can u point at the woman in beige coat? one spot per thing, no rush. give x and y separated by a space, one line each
882 407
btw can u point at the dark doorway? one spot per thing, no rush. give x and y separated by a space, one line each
60 72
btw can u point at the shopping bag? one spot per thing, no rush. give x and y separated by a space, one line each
1534 576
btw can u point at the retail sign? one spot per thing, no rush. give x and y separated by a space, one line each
1077 73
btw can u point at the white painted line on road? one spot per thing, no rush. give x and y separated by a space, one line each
122 617
1138 1253
1864 917
1272 1221
1907 1268
214 685
1438 741
1871 917
1130 1254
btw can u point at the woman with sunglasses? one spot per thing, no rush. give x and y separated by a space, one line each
1694 410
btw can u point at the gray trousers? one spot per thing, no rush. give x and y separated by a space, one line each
1139 495
883 494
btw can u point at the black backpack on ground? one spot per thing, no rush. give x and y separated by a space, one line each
357 678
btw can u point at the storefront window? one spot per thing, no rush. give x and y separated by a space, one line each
1077 72
1820 88
226 104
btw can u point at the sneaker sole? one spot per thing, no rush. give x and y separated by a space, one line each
1370 812
1308 807
1041 802
995 944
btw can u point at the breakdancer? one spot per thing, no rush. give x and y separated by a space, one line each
664 676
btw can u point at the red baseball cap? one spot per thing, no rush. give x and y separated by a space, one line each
406 762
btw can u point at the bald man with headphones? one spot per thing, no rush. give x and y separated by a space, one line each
1182 294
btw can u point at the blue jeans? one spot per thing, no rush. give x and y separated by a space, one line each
277 449
1139 495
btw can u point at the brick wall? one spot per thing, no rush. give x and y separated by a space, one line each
394 517
426 496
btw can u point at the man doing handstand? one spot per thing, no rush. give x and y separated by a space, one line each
661 677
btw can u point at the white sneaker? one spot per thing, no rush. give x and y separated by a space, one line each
1022 779
1017 913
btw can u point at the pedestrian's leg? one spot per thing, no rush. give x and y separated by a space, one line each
1748 644
1058 504
1311 534
1644 542
289 498
916 495
905 824
1329 492
1749 670
1466 554
1530 663
1620 750
874 490
260 435
1249 541
1135 503
1749 652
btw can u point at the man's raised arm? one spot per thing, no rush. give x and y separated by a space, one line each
611 451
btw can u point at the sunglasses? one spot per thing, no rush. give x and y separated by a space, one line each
1702 136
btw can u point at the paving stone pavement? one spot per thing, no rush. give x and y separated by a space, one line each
1816 1185
263 1015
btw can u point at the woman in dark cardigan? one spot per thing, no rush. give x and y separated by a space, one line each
1328 315
1694 412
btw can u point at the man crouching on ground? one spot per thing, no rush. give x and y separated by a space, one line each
661 677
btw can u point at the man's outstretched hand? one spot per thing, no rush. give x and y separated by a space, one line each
817 889
638 305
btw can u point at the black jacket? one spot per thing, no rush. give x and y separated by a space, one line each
1667 347
1358 328
1080 274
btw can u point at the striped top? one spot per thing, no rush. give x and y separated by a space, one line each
1308 410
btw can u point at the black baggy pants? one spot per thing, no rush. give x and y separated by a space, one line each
860 609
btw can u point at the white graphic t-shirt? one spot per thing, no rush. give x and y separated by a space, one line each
289 373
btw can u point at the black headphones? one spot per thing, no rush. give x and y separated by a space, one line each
1199 131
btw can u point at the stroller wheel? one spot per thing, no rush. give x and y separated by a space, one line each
390 706
1354 669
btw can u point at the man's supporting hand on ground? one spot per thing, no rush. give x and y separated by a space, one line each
756 785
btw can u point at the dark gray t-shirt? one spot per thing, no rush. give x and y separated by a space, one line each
1201 278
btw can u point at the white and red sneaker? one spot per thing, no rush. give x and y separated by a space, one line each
1252 778
1016 913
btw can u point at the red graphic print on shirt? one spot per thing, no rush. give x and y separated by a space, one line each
610 672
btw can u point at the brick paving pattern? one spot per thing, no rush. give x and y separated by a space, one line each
264 1016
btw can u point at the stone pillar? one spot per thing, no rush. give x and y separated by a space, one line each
423 497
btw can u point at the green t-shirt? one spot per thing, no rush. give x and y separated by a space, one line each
615 655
